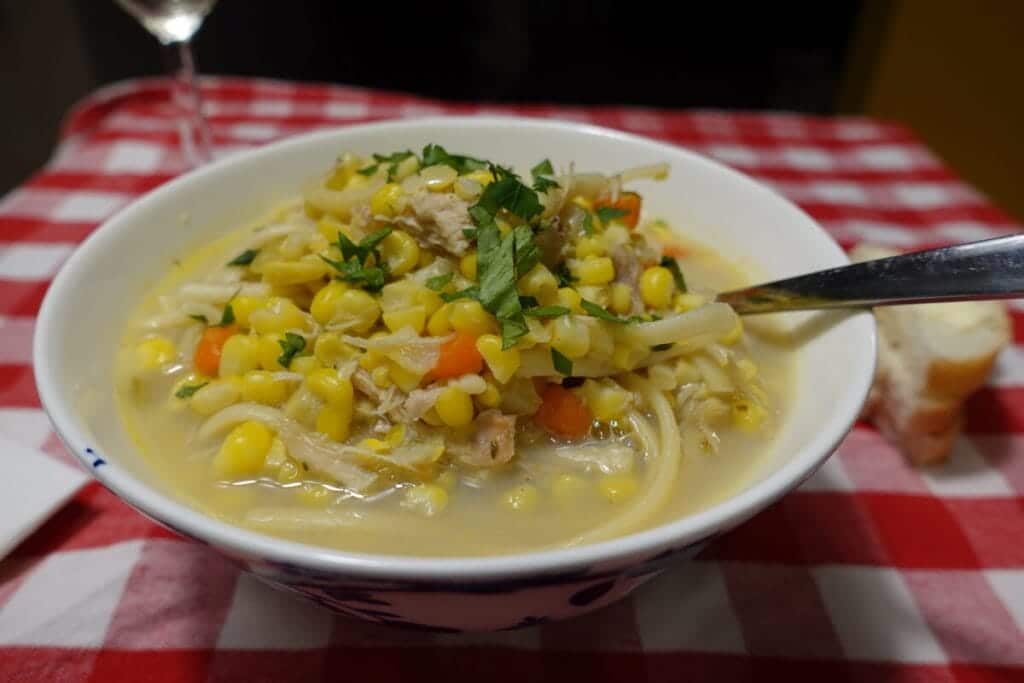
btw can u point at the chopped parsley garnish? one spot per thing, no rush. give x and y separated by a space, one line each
677 274
227 317
547 311
508 192
200 318
187 390
610 213
352 266
601 312
527 252
540 182
562 364
469 234
436 154
439 282
528 301
588 223
245 258
291 345
467 293
392 161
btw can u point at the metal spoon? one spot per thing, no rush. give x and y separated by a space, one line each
989 269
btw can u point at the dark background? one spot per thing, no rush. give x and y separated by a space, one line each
949 69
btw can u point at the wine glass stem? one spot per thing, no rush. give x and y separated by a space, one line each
196 142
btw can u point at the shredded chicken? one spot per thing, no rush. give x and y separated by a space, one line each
492 443
438 221
385 400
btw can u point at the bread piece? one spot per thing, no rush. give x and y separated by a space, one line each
931 358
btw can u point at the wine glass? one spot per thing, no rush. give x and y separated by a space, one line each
174 22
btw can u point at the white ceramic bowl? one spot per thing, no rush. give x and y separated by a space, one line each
86 307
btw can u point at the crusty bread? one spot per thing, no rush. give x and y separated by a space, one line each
931 358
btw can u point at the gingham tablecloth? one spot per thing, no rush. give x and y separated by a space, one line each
872 571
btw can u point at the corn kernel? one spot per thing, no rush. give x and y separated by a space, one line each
491 396
482 176
327 385
570 336
467 266
503 364
244 450
276 456
454 407
294 272
606 400
215 397
414 317
387 201
406 167
589 246
617 487
431 418
521 498
311 211
329 229
381 376
426 258
583 202
687 301
627 357
277 315
595 270
334 420
428 500
567 489
467 188
269 350
570 298
438 178
747 415
329 349
154 352
262 387
539 282
657 287
732 336
375 445
304 364
469 316
318 243
440 323
406 381
621 298
243 306
326 300
239 355
401 252
358 308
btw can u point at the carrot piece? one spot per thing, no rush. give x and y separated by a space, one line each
207 358
458 357
628 202
562 413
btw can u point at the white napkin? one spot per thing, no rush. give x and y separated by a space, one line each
33 486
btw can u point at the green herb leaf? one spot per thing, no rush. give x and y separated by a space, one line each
436 154
368 170
527 252
601 312
588 223
512 328
677 274
543 168
469 234
528 301
227 317
510 194
245 258
610 213
547 311
542 184
200 318
467 293
291 345
562 364
439 282
370 242
565 278
187 390
392 160
352 267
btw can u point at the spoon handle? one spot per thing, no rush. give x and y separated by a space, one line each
989 269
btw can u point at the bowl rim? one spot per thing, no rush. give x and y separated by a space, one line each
236 540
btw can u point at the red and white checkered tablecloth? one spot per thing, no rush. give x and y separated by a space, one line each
871 571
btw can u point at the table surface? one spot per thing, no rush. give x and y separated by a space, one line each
870 571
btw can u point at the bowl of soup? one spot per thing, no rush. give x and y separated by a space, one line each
458 373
